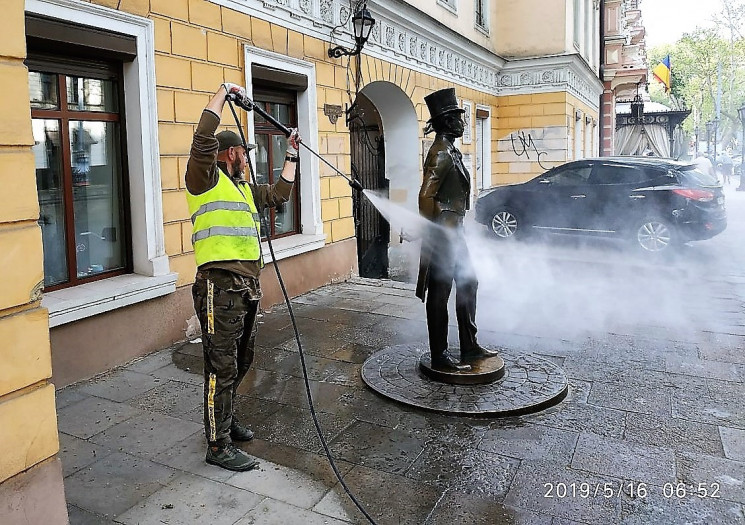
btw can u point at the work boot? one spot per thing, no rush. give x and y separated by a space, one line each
240 432
445 363
476 353
230 457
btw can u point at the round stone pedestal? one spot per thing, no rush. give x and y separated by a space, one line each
529 384
482 371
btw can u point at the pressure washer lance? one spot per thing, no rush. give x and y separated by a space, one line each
248 105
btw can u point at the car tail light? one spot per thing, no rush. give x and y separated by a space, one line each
696 195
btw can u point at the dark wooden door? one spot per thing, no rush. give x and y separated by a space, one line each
372 230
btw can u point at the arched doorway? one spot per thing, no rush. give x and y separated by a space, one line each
385 149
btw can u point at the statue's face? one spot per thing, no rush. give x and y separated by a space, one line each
454 124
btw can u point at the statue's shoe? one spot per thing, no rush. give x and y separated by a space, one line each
476 353
448 364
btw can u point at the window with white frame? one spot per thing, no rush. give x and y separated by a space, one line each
481 12
130 265
451 5
286 88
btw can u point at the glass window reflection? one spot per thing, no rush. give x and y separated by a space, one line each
48 161
91 94
43 90
97 197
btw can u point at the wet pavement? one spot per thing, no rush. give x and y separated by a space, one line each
652 430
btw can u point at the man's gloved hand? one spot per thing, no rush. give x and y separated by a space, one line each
293 142
235 89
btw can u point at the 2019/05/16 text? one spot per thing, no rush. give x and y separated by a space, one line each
632 489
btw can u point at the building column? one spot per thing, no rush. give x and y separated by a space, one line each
31 489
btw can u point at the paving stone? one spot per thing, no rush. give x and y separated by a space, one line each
645 464
67 396
405 502
79 516
115 483
190 499
713 472
93 415
675 434
530 442
733 440
630 398
656 508
325 395
152 362
534 488
185 368
77 453
464 469
354 352
173 398
299 489
694 406
118 385
707 369
578 417
377 447
457 507
294 427
265 384
443 427
250 411
323 369
273 512
147 435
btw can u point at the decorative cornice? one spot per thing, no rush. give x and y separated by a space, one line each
402 35
555 73
405 36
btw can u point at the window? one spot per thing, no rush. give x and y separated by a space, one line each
577 22
450 5
618 175
480 8
571 175
270 156
80 175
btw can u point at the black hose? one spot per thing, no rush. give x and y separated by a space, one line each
317 424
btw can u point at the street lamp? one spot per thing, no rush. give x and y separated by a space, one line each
741 187
695 144
716 128
709 129
363 23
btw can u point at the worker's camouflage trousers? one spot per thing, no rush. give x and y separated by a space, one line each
227 314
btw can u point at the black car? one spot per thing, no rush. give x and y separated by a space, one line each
656 203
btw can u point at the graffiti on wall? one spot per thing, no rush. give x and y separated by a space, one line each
523 144
531 151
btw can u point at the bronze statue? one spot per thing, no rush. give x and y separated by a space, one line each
444 199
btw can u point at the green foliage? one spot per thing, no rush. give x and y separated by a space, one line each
701 59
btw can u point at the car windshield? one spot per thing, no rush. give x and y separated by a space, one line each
694 175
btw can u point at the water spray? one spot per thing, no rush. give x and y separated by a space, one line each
248 105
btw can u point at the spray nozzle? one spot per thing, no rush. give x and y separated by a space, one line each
355 184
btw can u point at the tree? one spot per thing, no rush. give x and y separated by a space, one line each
700 61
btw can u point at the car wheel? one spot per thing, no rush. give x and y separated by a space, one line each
505 224
655 236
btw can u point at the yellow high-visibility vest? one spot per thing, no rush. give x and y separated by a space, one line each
225 223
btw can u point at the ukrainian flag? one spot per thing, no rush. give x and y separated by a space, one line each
662 72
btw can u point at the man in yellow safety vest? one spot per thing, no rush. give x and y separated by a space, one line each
224 211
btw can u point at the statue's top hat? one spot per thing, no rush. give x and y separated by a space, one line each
441 102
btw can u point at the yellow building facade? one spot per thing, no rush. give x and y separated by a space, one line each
525 73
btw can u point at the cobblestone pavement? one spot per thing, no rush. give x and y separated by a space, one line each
652 431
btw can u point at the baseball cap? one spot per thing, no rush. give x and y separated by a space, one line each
228 139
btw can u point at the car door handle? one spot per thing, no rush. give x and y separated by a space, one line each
578 196
637 196
544 181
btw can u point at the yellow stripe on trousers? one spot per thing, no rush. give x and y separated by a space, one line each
211 406
210 307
